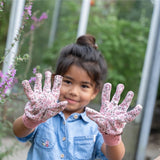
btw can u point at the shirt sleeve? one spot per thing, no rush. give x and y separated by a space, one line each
99 142
28 137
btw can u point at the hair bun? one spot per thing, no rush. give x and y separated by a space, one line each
87 39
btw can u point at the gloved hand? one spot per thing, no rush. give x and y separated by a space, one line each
43 104
112 117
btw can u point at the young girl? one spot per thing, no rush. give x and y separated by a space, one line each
56 120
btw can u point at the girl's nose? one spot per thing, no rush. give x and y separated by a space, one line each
73 91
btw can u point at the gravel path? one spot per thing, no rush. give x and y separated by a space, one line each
20 149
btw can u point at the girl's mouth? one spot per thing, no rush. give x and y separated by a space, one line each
71 101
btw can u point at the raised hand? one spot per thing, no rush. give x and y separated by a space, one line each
112 117
43 104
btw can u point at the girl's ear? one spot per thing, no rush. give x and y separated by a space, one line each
95 93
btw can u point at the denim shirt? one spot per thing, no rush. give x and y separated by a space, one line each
76 138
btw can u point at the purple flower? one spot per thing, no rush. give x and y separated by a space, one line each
15 80
43 16
34 18
13 72
32 27
5 89
29 10
1 85
2 4
32 79
34 70
7 81
1 74
3 95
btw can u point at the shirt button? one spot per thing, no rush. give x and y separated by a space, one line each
62 155
64 122
75 116
64 138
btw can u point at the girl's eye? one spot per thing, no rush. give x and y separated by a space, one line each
85 86
67 81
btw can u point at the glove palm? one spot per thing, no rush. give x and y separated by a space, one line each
43 104
112 117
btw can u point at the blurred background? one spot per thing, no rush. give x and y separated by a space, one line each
121 29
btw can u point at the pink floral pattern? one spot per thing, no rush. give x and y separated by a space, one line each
42 104
112 117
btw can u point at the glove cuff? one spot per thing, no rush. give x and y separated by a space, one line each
29 123
111 140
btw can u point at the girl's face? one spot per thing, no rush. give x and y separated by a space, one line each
78 89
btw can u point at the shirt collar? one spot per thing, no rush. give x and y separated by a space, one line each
84 117
80 115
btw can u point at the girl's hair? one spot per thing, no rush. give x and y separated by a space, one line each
83 53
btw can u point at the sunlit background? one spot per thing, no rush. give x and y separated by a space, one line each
121 29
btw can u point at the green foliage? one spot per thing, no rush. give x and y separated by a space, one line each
123 43
4 18
5 129
66 30
122 40
133 9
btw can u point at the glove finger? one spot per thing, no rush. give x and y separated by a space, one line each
48 114
47 83
131 115
91 112
116 96
29 111
38 83
105 95
57 85
106 91
52 111
94 115
28 107
27 89
126 102
58 107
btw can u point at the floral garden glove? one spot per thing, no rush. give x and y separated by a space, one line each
43 104
112 117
